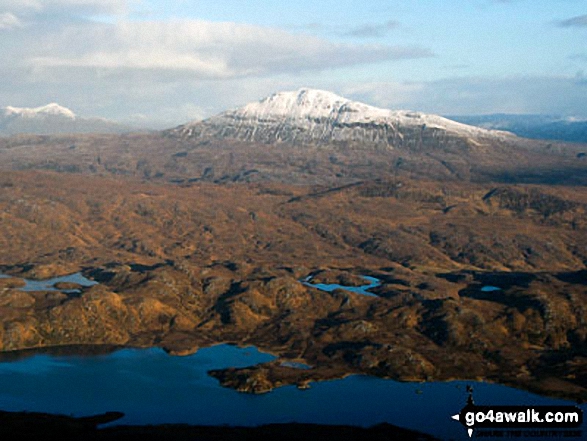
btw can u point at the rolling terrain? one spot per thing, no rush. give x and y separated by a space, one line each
204 233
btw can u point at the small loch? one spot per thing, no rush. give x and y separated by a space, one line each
49 284
490 288
363 289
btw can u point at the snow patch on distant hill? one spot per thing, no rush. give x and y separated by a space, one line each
52 119
52 109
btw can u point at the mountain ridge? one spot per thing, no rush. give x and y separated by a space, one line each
52 109
317 116
52 119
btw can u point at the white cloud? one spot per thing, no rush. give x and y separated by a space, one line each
171 71
174 71
480 95
20 5
203 49
176 102
68 6
9 21
394 95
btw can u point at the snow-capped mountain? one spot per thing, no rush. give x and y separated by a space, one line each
52 119
320 117
52 109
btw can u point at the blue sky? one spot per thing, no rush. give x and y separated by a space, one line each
166 62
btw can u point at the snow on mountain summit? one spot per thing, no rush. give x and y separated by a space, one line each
299 104
52 109
317 116
312 103
52 119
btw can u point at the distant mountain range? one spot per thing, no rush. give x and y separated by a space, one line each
531 126
309 116
298 137
52 119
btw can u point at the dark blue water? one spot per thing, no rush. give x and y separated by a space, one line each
363 290
152 387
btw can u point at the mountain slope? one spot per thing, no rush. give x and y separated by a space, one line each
320 117
306 137
52 119
531 126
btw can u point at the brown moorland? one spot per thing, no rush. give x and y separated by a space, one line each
168 157
190 263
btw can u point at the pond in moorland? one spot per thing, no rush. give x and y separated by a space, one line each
489 288
363 289
152 387
49 284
